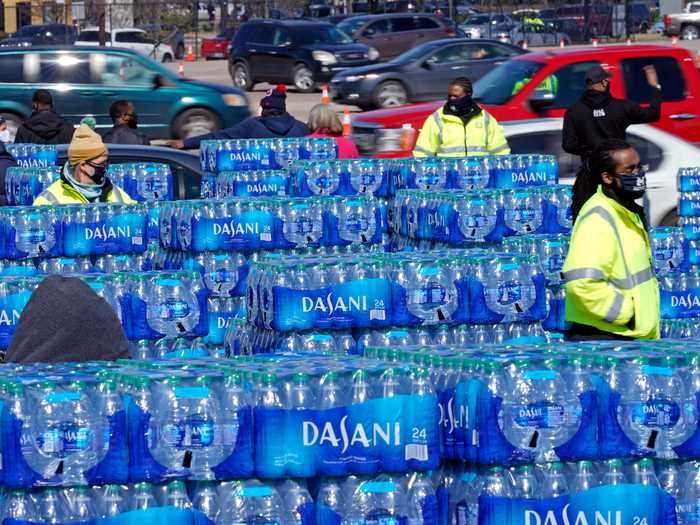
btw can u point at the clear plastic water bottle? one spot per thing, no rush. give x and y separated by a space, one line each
554 482
172 304
421 500
176 495
80 505
689 502
613 473
643 473
508 288
252 501
52 506
297 501
206 499
18 504
539 410
496 482
115 501
143 497
584 477
524 211
380 500
526 484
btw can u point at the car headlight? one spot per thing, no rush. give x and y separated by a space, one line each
232 99
324 57
373 54
355 78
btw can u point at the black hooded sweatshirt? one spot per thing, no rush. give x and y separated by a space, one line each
44 127
66 321
6 161
598 116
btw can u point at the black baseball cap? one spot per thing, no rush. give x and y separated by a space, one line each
596 74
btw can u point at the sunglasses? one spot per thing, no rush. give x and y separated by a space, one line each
97 166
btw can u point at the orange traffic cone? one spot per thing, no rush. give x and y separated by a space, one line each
181 70
674 40
325 98
190 55
347 125
562 44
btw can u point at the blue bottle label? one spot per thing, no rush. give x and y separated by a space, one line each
656 413
680 304
542 414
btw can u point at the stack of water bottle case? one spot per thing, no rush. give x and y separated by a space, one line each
466 408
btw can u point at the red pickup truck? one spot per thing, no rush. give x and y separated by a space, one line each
522 89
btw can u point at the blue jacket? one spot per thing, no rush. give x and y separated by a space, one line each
6 161
271 127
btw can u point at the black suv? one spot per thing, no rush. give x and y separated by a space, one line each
299 52
41 35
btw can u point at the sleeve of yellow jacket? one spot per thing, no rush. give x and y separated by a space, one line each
428 142
591 252
496 143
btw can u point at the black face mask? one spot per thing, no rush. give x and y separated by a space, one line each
100 171
134 121
632 185
461 105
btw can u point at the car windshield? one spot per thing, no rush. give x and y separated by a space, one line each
323 35
30 31
476 20
415 53
500 84
350 25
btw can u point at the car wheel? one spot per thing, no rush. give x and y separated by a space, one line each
690 32
13 123
194 122
391 93
304 79
241 76
671 219
167 58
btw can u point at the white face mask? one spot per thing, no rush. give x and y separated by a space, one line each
5 136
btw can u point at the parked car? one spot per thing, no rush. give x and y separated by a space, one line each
570 27
169 34
128 38
660 151
217 47
391 35
41 35
185 166
600 17
422 73
299 52
87 80
535 35
685 24
483 25
510 92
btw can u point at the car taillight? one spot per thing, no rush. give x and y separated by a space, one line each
450 32
667 20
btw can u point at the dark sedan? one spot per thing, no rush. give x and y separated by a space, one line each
420 74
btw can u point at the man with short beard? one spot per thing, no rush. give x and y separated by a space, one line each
125 127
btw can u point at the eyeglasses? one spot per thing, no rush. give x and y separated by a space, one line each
639 169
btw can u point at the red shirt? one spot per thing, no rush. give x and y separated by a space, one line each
346 147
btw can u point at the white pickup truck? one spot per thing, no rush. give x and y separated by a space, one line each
685 24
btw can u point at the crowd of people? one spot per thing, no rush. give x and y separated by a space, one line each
612 292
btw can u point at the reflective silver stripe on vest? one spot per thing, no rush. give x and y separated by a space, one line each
460 149
615 309
117 196
487 121
631 280
424 150
584 273
440 125
50 197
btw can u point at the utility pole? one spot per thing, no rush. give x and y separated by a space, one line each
101 22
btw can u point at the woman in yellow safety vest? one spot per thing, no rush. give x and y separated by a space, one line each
611 289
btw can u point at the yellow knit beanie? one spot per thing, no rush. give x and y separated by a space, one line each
86 145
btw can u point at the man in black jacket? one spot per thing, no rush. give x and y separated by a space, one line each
6 161
125 126
45 126
598 116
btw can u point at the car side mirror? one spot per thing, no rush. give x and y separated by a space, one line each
541 100
428 64
158 82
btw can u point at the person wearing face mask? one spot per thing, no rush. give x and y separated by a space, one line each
598 115
125 129
611 288
460 128
83 178
44 126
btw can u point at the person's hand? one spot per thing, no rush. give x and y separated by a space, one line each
652 77
176 144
